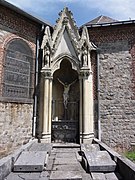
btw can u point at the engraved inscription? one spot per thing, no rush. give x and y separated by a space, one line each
18 64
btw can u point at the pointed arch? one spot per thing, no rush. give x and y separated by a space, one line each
74 62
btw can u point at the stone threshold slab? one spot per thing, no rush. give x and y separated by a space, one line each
30 161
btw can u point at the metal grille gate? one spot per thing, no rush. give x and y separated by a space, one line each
65 122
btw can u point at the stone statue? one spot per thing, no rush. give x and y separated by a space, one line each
47 56
85 58
66 91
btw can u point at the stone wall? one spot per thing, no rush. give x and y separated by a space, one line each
117 102
15 126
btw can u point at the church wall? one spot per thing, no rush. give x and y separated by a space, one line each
15 126
117 74
15 115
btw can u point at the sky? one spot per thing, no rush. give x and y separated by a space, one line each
83 10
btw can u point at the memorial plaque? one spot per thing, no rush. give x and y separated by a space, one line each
17 72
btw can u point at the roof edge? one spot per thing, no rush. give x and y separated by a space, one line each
22 12
109 24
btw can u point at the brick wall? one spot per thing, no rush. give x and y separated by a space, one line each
117 83
15 118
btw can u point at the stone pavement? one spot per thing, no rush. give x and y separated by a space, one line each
64 162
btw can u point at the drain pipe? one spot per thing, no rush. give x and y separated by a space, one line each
98 96
35 93
34 124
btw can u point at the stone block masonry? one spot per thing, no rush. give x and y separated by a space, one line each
117 104
116 69
15 126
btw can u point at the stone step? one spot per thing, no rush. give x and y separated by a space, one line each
65 175
66 155
65 161
68 167
113 176
98 176
65 150
30 161
66 145
99 161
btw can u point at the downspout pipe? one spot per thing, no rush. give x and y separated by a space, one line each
34 123
98 96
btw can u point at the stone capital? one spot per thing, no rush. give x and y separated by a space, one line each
46 73
84 73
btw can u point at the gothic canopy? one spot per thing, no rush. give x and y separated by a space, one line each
66 42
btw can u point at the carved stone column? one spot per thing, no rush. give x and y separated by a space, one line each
47 99
86 106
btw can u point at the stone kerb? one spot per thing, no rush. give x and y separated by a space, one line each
125 166
6 163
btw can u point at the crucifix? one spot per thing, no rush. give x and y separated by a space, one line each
66 91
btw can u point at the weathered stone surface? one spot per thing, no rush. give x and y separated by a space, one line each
111 176
117 94
44 175
65 150
65 161
5 167
20 176
90 147
98 176
30 161
41 147
66 145
68 175
6 164
65 155
68 167
100 161
15 126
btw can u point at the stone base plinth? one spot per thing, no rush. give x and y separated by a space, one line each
46 138
86 138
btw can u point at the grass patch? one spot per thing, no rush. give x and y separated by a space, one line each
130 155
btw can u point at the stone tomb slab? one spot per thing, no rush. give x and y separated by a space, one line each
100 161
30 161
68 175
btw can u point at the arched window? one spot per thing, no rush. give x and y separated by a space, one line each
18 67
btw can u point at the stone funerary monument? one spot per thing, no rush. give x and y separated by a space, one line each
64 83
